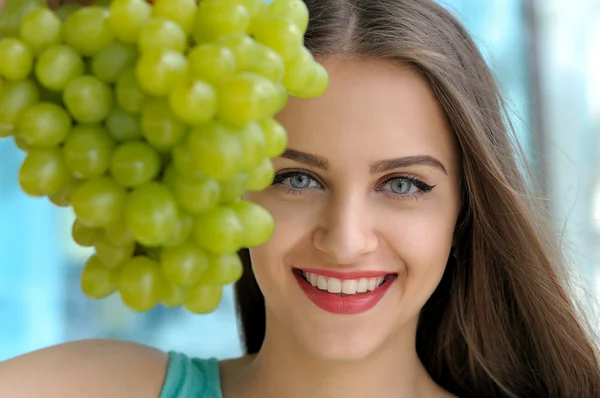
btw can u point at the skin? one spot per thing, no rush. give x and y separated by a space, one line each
349 218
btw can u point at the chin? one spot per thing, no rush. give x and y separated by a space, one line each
342 341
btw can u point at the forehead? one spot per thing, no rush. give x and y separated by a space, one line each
372 110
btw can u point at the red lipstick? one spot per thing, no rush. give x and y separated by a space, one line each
346 275
345 304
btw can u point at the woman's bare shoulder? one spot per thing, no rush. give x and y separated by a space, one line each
88 368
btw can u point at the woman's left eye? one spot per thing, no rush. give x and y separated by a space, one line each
405 186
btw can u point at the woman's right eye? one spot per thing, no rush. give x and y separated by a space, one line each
296 180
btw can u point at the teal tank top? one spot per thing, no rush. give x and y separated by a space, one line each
191 378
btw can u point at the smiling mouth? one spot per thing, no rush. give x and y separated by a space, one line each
344 296
344 287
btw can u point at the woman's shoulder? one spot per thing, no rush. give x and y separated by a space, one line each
90 368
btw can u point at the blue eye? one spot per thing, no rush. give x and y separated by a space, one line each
296 180
400 187
405 186
299 181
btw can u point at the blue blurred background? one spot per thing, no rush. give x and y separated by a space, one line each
546 56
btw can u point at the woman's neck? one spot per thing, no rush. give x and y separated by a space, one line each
282 368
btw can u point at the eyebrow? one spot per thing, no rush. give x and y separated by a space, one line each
378 167
306 158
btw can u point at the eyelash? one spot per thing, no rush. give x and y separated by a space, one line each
422 186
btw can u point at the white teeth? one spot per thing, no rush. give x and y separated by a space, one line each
372 283
348 286
363 285
322 282
334 285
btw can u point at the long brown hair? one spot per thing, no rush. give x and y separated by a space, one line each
501 323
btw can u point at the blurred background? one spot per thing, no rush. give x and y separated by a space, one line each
544 53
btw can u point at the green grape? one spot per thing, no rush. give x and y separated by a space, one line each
257 222
279 100
180 11
110 255
317 84
160 126
67 9
194 102
114 59
203 299
212 62
47 95
295 10
169 175
266 62
261 176
165 157
57 66
219 18
127 17
15 98
13 12
223 269
241 46
299 71
43 172
253 144
172 295
194 195
183 265
88 151
158 72
129 93
162 34
218 230
88 30
123 126
216 151
101 3
21 144
40 29
151 214
99 202
135 163
233 189
118 234
88 99
245 98
152 253
83 235
97 281
280 34
140 283
184 161
17 59
44 125
183 230
275 137
254 7
62 198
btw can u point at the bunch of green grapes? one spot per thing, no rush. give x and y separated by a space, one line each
151 121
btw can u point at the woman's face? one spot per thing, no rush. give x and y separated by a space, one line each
365 203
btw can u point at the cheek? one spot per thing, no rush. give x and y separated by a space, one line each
294 221
422 238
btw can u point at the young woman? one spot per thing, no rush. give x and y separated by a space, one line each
409 259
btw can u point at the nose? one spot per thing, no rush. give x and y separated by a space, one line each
346 232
